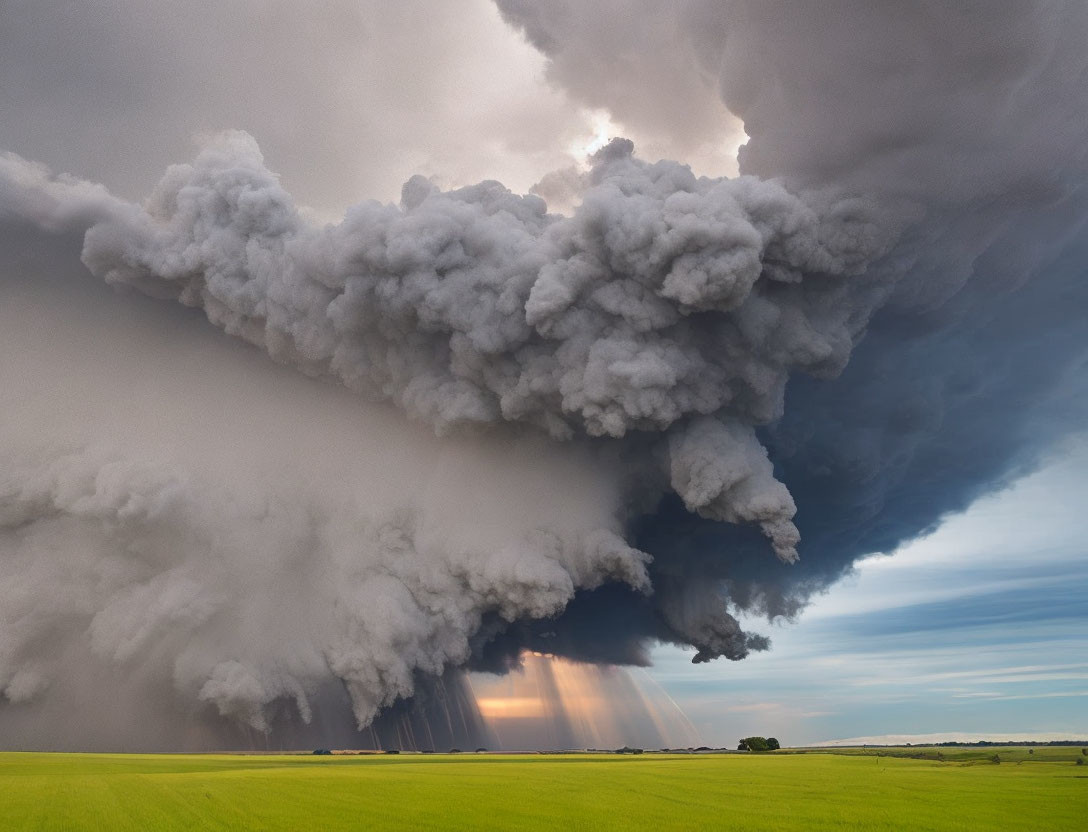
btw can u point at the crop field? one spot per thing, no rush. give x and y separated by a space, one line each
849 789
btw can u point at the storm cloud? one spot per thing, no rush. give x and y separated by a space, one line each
689 397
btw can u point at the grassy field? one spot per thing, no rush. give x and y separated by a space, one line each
961 754
784 791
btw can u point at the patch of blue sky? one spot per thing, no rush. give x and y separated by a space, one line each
978 628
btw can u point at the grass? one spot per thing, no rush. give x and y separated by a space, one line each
850 789
962 754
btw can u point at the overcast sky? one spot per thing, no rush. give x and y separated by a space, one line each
347 99
977 628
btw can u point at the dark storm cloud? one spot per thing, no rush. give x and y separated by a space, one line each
976 363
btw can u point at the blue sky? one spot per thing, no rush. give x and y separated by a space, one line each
977 629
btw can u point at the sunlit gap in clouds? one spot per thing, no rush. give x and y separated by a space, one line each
603 131
553 703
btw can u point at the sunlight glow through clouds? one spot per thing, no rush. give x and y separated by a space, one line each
603 131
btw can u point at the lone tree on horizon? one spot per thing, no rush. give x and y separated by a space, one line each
758 744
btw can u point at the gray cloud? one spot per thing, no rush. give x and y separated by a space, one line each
969 120
637 61
345 97
663 297
824 356
926 99
231 537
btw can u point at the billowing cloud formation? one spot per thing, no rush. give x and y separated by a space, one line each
904 261
664 297
227 537
159 558
968 121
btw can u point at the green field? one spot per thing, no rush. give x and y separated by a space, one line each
795 791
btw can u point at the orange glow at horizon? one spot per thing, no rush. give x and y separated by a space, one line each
555 702
512 707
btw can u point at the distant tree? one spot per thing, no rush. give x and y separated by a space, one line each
996 758
1084 751
1080 761
754 744
772 744
1031 751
